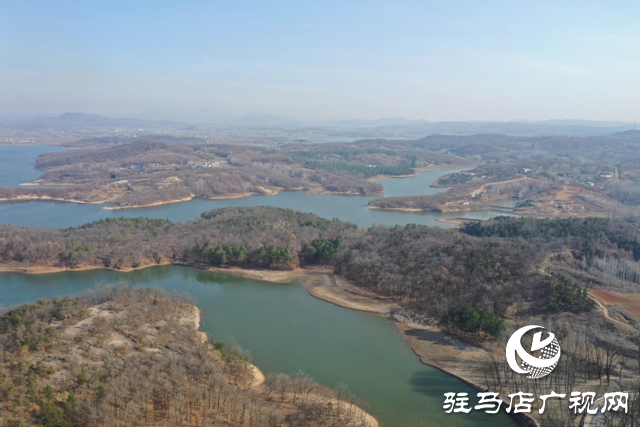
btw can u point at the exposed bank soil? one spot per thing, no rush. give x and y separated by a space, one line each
337 290
258 376
430 344
360 413
263 192
385 177
448 354
273 276
398 209
434 348
148 205
322 283
315 191
26 198
44 269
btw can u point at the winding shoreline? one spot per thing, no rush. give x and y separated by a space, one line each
324 284
312 190
432 346
27 198
193 318
320 282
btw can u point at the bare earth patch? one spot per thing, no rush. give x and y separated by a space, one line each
452 356
629 305
610 298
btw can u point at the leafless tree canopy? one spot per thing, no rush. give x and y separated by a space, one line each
118 356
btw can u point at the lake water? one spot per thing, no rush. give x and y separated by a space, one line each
16 163
287 330
346 208
283 327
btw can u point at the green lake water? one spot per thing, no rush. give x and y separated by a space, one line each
283 327
286 330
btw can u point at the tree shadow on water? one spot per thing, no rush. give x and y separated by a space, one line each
434 383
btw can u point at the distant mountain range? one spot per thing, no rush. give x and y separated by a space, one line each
389 127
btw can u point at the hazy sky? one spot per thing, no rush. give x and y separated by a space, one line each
434 60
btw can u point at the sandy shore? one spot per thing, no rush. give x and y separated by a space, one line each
318 190
258 376
444 209
148 205
37 182
266 192
397 209
446 167
337 290
314 191
25 198
322 283
272 276
41 269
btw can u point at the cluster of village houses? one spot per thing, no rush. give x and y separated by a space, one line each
206 163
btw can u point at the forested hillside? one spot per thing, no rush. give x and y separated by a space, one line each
496 265
262 237
122 357
428 270
600 251
475 283
433 269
